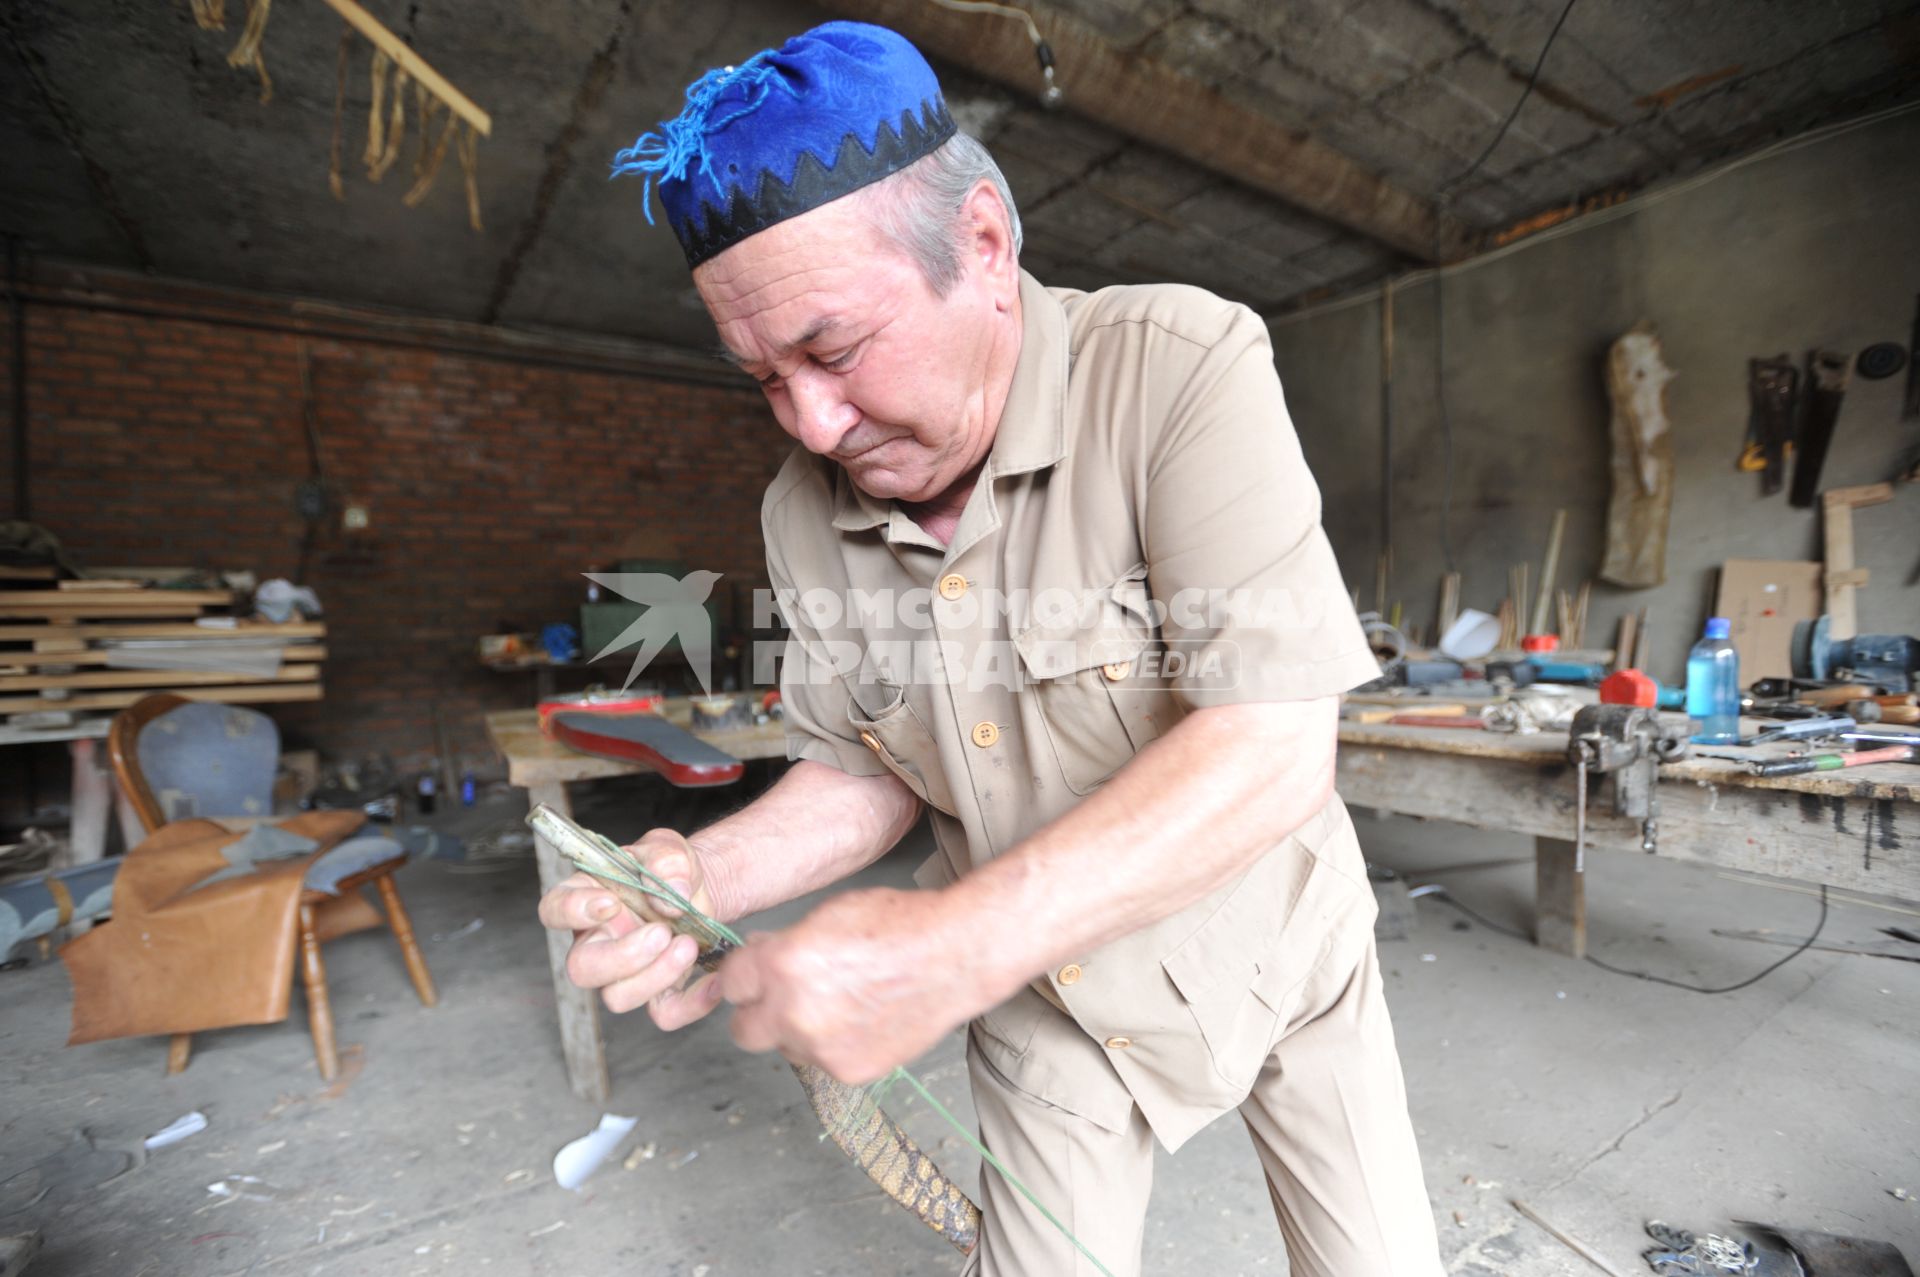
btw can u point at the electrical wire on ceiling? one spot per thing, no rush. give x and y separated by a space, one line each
1042 51
311 496
17 335
1446 422
1439 307
1384 572
1532 79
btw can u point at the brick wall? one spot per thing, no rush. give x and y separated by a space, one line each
490 484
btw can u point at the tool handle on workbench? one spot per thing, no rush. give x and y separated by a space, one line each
1803 729
1797 766
1833 697
1834 762
1577 673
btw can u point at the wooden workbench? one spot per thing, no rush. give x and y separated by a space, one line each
1858 828
544 767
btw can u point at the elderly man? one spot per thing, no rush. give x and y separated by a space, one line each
1108 671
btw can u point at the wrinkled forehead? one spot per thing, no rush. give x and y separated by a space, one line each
780 286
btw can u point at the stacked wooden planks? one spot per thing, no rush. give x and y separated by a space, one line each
65 645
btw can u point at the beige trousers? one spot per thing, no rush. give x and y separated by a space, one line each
1328 1116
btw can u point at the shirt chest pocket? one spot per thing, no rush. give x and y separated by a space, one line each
902 743
1095 676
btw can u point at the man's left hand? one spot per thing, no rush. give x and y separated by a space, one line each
863 984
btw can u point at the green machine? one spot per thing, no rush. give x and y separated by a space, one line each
604 621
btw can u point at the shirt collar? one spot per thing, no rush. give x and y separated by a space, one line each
1032 434
1033 425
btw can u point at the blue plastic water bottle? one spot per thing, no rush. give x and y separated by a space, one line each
1713 686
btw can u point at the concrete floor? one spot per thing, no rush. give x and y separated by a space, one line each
1601 1101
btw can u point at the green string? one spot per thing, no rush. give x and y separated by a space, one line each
654 886
901 1075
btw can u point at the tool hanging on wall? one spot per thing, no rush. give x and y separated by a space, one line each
1642 466
1827 374
1773 385
444 117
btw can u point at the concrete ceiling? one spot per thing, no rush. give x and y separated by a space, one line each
130 142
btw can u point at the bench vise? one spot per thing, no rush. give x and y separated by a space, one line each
1625 744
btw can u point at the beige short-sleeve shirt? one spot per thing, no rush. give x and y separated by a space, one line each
1144 541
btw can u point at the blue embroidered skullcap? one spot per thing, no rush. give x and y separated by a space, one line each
786 131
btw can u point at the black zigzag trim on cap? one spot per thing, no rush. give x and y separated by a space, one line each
711 231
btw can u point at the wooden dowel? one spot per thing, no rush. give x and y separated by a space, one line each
409 943
1548 567
1623 644
1571 1242
416 66
319 1006
1449 602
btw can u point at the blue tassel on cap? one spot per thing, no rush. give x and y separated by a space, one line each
828 112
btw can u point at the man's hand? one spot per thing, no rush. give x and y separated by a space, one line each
635 961
866 982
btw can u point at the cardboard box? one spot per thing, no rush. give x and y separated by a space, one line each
1761 599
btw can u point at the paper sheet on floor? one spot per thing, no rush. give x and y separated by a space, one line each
572 1164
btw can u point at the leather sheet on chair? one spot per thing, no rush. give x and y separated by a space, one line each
179 956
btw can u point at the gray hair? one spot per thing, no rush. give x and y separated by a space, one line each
918 208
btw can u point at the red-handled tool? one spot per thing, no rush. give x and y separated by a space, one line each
1834 762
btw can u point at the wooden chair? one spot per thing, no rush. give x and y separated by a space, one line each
123 738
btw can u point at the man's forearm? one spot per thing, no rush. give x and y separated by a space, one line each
813 828
1186 815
